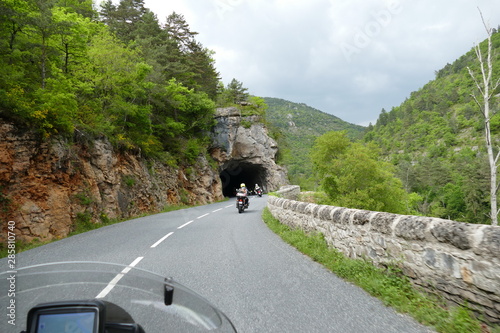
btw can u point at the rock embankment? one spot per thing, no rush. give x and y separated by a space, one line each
47 186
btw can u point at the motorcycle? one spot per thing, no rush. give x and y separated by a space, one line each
94 297
259 192
241 201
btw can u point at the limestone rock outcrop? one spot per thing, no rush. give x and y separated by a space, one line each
245 152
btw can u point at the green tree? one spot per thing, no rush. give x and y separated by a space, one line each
352 175
233 93
43 27
16 60
123 19
194 64
72 39
114 88
43 38
189 114
237 92
205 76
178 29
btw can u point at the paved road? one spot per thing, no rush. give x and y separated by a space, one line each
232 259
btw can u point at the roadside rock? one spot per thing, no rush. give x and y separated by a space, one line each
48 186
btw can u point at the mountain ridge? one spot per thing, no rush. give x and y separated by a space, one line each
300 125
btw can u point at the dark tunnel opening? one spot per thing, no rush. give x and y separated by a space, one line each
235 174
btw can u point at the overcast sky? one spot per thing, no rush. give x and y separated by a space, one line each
349 58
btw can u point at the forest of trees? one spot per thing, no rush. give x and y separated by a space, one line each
434 143
352 175
72 70
296 127
69 69
436 140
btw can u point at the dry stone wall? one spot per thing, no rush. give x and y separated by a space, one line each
460 261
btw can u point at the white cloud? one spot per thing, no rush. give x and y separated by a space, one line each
371 83
292 49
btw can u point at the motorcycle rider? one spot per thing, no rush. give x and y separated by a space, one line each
243 189
257 188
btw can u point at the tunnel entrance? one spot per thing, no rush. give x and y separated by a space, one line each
242 172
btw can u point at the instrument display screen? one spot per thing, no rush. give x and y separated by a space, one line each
73 322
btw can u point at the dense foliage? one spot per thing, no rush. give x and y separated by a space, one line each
436 140
352 175
297 126
233 94
66 69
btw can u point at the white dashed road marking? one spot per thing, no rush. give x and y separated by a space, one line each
117 278
185 224
161 240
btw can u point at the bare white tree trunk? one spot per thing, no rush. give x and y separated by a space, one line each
486 88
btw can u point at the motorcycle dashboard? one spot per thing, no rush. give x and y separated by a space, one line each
89 294
84 317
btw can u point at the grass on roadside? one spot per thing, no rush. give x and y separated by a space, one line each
21 246
389 285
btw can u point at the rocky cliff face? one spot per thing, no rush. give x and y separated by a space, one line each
47 187
245 152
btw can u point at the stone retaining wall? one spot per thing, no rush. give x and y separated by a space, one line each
289 192
459 260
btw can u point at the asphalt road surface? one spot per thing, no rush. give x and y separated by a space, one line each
236 262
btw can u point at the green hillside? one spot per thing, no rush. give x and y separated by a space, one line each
300 125
436 138
68 70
